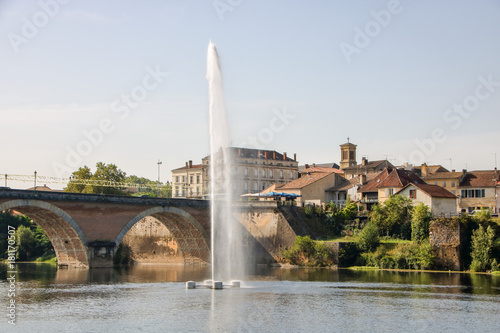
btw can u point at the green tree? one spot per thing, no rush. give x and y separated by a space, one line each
393 217
104 172
420 220
482 243
368 239
26 243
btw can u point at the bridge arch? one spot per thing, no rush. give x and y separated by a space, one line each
64 233
192 239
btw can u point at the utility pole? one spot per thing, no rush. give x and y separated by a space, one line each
34 188
159 162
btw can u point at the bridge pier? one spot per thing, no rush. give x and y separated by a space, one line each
101 254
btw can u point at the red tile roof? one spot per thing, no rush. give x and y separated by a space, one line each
434 191
480 178
400 178
371 186
443 175
305 180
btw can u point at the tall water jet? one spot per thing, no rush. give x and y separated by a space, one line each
226 236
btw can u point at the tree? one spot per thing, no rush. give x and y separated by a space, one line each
104 172
26 243
368 239
420 220
482 244
392 218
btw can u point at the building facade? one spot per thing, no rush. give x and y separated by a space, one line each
477 190
187 182
254 170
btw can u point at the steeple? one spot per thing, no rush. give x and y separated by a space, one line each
347 155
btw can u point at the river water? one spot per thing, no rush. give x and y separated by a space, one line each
153 298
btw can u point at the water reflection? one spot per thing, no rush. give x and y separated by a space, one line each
152 298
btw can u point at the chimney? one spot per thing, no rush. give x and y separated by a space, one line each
190 164
274 155
258 155
187 164
307 166
362 179
239 151
364 161
452 170
266 154
295 156
284 156
314 165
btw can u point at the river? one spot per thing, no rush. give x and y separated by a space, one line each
153 298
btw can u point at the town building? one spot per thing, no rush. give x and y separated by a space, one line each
187 182
312 185
366 167
440 201
255 170
448 180
479 189
347 155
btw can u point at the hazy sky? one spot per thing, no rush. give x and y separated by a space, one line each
124 81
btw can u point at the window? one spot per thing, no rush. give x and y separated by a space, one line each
197 179
256 186
190 179
246 187
183 179
281 174
453 192
473 193
413 194
246 172
435 183
176 191
291 174
444 184
391 191
183 192
270 173
263 186
452 184
256 173
263 173
176 179
198 190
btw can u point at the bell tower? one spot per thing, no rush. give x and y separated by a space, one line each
347 155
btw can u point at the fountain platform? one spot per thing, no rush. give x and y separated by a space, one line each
209 284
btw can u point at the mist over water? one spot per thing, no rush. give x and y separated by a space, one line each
226 237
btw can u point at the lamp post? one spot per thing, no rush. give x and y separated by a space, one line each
159 162
34 188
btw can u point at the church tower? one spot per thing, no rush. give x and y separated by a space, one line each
347 155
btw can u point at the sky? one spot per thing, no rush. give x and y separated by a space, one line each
124 82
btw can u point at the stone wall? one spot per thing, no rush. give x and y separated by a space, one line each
444 236
149 241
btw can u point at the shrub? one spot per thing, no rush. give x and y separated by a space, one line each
309 210
306 252
404 256
368 239
420 220
482 243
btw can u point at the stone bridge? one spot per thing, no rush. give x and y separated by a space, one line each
86 229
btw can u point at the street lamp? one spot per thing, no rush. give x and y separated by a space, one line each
159 162
35 182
